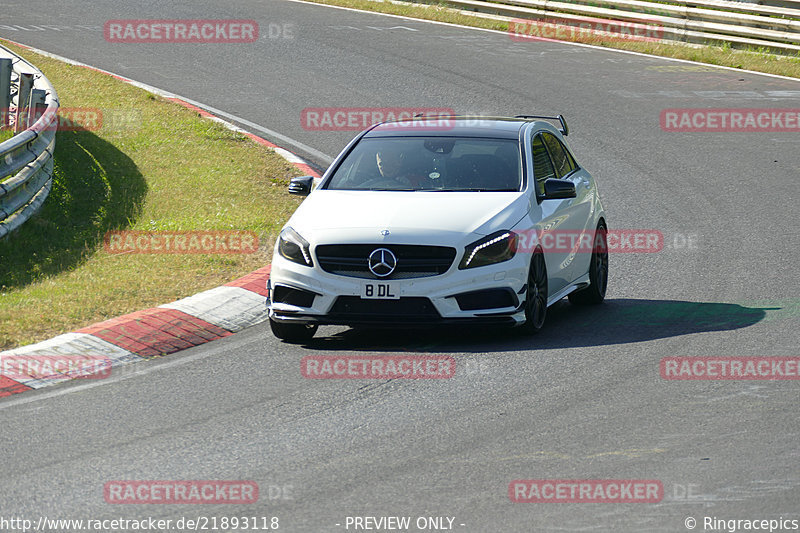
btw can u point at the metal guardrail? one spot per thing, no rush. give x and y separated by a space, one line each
29 104
775 28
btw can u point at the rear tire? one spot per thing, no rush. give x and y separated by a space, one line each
595 293
293 333
536 294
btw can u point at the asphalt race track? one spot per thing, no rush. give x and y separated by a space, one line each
583 400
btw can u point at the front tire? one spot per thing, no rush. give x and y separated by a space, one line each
595 293
536 294
293 333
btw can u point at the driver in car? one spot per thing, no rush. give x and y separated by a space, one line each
391 162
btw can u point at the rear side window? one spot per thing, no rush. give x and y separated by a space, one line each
562 160
542 166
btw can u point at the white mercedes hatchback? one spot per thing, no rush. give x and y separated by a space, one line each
441 221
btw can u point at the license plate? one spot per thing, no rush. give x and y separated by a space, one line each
380 291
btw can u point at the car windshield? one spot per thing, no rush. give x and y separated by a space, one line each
430 164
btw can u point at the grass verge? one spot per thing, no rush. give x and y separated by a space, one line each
723 55
151 165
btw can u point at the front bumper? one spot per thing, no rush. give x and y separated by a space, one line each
319 297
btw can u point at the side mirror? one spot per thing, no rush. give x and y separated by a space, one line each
301 185
558 189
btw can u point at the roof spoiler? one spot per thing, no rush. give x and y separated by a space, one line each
564 128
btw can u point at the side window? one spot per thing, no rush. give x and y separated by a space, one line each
542 167
562 161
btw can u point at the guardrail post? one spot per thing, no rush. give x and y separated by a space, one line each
5 91
23 97
36 106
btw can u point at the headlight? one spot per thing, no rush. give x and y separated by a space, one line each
496 248
294 247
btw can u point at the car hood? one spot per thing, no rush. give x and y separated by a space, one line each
346 214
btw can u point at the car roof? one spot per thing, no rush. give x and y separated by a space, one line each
451 126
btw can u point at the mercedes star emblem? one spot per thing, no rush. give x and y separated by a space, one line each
382 262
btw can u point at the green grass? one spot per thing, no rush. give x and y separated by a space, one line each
758 60
153 165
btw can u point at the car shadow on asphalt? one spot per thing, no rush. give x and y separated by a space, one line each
617 321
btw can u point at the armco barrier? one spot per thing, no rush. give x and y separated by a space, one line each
742 24
29 105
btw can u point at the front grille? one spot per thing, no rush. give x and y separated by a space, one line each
413 261
403 309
